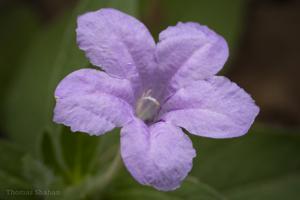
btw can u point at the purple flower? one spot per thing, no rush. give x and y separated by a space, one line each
152 91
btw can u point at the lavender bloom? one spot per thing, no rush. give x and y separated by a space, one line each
152 91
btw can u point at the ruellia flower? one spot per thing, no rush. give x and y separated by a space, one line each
152 90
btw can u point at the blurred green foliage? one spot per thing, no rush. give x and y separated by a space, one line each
225 17
39 154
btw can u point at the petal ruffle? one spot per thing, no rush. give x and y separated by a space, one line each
160 155
118 43
215 108
188 52
90 101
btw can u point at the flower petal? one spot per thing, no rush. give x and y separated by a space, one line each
215 108
188 52
116 42
87 81
160 155
90 101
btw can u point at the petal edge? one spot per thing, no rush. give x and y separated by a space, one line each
160 156
215 108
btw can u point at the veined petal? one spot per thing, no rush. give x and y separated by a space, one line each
215 108
189 52
160 155
90 101
88 81
118 43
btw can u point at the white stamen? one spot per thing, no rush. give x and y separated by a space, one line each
147 107
153 100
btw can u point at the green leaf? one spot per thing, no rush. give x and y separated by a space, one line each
28 102
264 164
193 189
11 166
11 169
141 193
48 154
10 155
285 187
82 154
82 147
93 185
38 174
125 187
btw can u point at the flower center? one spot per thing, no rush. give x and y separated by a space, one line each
147 107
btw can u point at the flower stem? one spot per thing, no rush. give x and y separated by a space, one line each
106 178
94 185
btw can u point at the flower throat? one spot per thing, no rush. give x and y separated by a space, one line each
147 107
